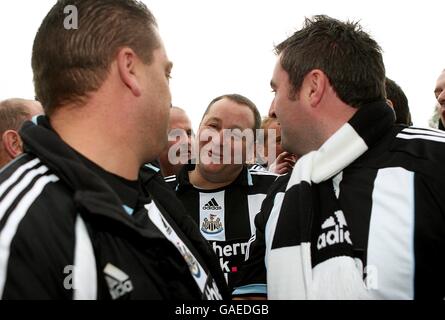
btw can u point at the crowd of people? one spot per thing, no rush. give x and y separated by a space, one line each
106 192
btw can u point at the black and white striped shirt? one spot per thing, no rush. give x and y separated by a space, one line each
393 198
225 216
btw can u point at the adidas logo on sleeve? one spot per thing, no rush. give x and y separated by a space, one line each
119 282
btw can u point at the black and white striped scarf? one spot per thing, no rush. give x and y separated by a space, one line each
290 271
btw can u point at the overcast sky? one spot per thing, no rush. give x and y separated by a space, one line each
220 47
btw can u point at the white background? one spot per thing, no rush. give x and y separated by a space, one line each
220 47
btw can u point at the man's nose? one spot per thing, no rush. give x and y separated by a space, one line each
272 110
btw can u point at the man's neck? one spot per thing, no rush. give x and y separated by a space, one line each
167 169
96 139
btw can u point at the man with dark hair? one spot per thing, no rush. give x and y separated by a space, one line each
220 193
13 112
439 92
239 100
398 101
362 214
79 219
179 148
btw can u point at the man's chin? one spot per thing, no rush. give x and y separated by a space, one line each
216 170
212 167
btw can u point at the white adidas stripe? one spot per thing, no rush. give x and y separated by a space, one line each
419 136
434 130
391 249
85 274
436 133
258 168
14 193
13 222
17 173
263 173
114 272
152 167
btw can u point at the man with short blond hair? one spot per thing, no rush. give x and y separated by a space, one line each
180 143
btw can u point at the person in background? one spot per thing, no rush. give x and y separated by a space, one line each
439 93
180 138
220 193
435 120
276 159
13 113
398 101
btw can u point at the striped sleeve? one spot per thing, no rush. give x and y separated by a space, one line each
253 274
172 181
36 233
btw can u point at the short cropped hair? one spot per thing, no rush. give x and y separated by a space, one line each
399 102
241 100
70 63
348 56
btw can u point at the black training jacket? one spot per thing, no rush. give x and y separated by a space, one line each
64 233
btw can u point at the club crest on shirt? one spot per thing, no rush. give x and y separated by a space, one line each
212 225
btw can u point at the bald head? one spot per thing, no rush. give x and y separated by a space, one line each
181 128
13 112
179 119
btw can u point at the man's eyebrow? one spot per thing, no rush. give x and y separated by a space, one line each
213 119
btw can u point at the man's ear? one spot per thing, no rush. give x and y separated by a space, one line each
12 143
316 82
127 62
